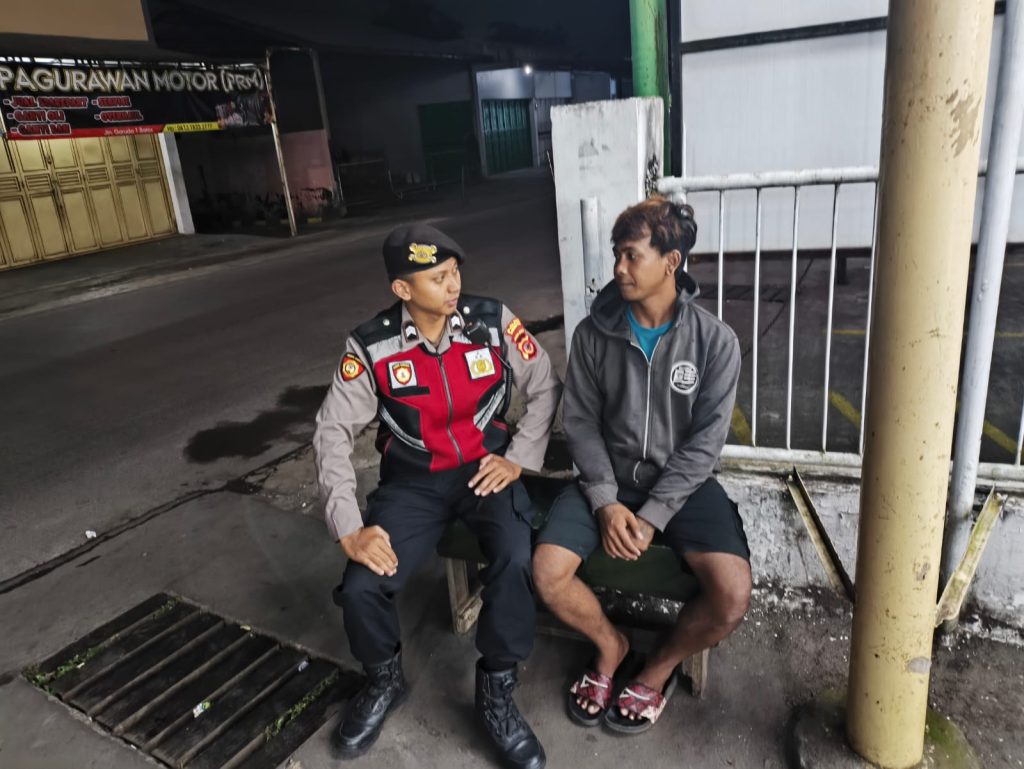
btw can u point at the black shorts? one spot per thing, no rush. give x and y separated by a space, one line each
708 522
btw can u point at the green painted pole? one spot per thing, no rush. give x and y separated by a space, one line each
650 51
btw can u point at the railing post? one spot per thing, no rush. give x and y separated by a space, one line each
988 276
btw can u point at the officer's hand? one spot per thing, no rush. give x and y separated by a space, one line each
495 474
371 546
618 527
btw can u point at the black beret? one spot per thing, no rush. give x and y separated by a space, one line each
414 247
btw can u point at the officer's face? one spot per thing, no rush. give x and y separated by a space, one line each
434 291
641 270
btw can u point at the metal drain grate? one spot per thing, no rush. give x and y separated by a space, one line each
194 690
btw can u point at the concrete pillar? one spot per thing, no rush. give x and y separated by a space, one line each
176 183
279 151
936 63
610 151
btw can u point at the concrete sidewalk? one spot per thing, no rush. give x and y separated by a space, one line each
274 570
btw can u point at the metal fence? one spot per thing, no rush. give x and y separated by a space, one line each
799 181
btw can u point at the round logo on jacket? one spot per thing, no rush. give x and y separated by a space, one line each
684 378
402 374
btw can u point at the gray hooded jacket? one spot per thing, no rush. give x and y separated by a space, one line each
656 427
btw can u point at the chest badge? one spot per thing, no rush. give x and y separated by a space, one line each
480 362
684 378
402 374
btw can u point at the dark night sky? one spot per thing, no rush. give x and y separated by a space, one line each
595 31
594 27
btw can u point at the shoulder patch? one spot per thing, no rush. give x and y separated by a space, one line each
351 367
516 331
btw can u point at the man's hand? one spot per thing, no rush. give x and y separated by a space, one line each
620 532
643 533
371 546
495 474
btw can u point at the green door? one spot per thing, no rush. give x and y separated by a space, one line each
449 141
507 134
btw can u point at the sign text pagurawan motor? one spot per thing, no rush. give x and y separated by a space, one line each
59 102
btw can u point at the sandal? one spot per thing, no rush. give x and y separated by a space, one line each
595 688
641 701
598 690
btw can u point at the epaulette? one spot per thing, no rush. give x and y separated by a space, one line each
481 307
384 324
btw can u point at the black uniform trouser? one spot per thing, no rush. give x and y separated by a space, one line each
414 512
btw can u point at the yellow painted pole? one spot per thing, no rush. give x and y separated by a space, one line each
937 57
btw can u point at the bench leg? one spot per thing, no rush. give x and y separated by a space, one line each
696 667
464 601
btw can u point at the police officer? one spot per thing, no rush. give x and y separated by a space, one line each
437 368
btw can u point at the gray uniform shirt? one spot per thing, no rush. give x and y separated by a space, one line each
351 404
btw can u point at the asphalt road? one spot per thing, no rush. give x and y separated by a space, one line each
115 406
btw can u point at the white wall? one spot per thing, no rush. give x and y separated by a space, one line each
783 106
702 19
552 85
176 183
514 83
511 83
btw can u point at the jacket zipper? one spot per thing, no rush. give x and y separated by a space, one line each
451 412
647 414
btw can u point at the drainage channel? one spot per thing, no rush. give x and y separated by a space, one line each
194 690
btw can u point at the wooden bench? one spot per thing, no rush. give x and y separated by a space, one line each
657 574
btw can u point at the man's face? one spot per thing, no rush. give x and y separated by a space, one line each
641 270
434 291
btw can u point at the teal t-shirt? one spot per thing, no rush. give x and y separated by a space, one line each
646 337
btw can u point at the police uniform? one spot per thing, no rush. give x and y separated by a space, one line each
441 410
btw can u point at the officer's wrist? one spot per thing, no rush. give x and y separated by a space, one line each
347 542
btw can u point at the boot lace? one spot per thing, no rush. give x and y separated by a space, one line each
502 714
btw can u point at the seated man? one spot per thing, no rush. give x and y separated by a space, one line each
648 402
438 369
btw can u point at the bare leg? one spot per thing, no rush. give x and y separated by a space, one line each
706 619
554 575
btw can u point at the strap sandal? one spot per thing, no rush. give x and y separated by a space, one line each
641 701
596 689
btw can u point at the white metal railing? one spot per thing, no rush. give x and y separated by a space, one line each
797 180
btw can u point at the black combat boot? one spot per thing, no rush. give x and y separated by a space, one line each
385 690
516 742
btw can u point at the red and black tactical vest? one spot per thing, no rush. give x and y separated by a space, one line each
438 411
